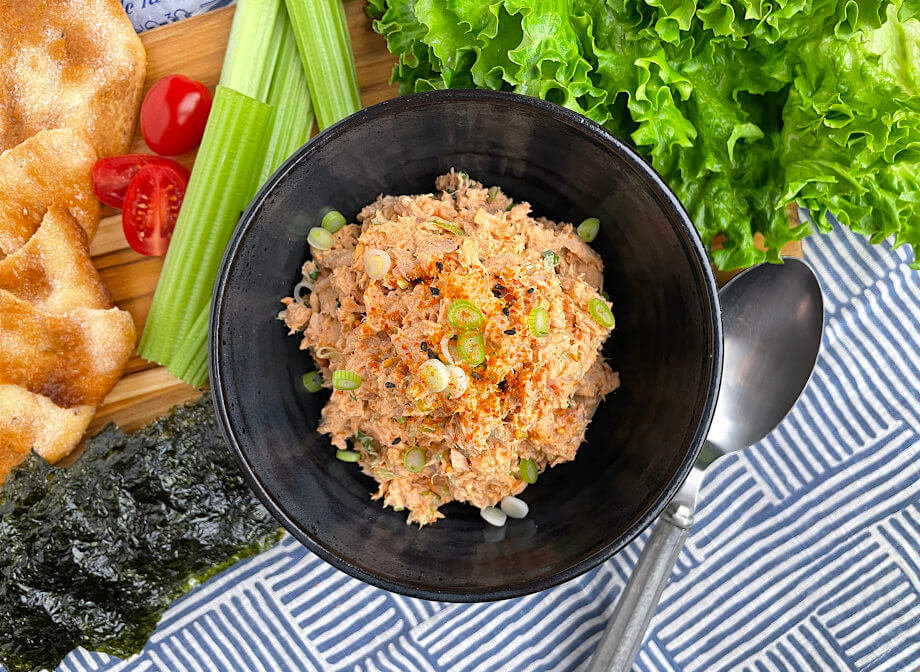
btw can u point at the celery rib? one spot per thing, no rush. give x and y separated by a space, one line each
218 191
328 61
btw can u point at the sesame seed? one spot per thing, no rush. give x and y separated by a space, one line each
510 332
507 311
440 266
434 291
424 346
530 291
396 440
389 385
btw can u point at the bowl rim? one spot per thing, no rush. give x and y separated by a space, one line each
667 200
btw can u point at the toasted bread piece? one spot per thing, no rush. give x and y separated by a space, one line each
73 359
32 422
51 168
66 64
53 271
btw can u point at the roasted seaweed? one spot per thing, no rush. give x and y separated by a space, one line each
93 554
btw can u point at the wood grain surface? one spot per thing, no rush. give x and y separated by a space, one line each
195 47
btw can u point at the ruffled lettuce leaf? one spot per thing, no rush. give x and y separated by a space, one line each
743 106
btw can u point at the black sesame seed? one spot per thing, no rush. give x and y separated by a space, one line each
506 310
396 440
503 385
389 385
434 291
440 266
530 291
424 346
498 291
510 332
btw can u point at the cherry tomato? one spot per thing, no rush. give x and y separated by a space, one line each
174 113
151 208
112 174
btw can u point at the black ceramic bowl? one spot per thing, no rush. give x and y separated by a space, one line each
667 345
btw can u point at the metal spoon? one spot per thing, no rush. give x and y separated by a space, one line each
773 318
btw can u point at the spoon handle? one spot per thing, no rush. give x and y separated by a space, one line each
623 637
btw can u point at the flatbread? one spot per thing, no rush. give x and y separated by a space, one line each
53 271
73 359
67 64
53 168
30 421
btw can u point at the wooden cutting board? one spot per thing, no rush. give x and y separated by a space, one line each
195 47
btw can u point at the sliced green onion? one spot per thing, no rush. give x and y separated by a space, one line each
401 419
347 455
325 48
527 470
471 347
551 259
313 381
376 263
463 314
414 460
589 229
493 193
538 322
458 381
435 375
447 226
600 311
333 221
402 283
343 379
320 238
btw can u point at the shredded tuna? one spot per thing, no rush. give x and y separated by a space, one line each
531 397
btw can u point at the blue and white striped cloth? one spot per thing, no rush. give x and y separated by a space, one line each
805 556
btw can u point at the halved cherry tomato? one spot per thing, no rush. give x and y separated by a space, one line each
152 204
174 113
112 174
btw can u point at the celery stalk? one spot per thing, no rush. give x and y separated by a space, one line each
291 121
325 48
190 361
218 191
292 113
253 47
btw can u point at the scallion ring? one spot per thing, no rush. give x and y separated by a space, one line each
447 226
458 381
601 313
435 375
343 379
471 347
376 263
589 229
333 221
538 322
347 455
320 238
527 470
414 460
301 290
402 283
551 259
463 315
493 193
312 381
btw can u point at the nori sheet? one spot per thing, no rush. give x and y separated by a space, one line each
92 555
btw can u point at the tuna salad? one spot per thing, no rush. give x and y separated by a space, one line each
461 338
